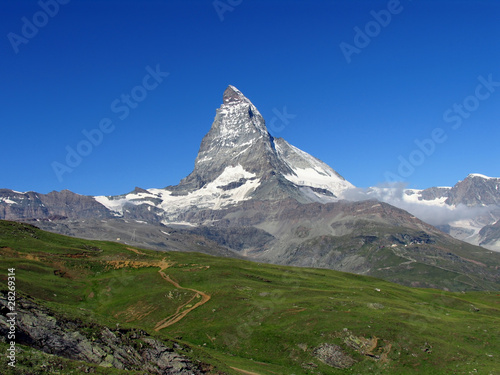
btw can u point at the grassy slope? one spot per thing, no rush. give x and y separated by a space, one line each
262 318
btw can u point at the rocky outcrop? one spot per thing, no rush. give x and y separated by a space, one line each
433 193
474 190
490 236
127 349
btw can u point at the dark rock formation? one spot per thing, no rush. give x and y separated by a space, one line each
127 349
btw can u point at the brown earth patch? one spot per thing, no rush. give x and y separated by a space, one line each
8 252
30 257
137 311
296 310
77 256
136 251
118 264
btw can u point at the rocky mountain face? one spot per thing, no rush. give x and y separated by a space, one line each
475 190
255 196
238 160
54 205
490 236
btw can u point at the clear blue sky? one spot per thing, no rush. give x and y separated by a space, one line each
360 117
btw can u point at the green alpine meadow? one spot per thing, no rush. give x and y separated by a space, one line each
100 307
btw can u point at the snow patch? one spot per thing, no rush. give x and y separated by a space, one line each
183 223
115 205
317 179
313 172
482 176
8 201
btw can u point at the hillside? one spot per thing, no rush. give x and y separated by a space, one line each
212 315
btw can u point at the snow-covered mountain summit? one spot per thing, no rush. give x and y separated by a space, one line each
238 160
238 136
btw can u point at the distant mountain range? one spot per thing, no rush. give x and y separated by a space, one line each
478 196
255 196
462 211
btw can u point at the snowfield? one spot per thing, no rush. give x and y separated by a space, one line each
211 196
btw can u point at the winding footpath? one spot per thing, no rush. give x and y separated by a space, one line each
178 315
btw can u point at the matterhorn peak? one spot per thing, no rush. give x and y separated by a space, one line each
239 151
234 96
238 137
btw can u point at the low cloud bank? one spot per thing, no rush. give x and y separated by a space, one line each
436 215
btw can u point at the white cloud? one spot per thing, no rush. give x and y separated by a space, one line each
431 212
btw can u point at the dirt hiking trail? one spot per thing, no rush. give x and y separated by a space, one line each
178 315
